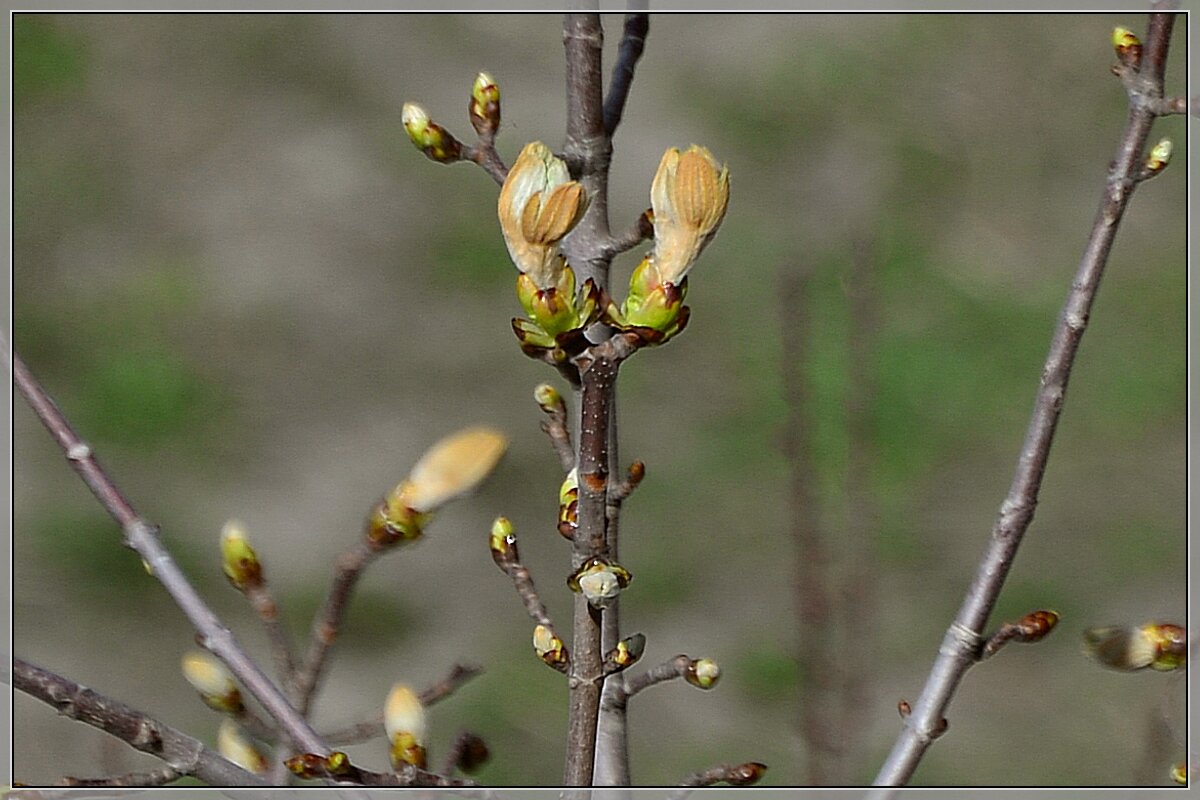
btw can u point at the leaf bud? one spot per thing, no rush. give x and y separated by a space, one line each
238 559
404 721
485 106
745 774
1128 47
600 581
234 745
503 542
1159 157
568 505
550 648
430 138
703 673
548 399
213 681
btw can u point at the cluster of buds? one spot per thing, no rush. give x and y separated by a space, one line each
1128 47
539 205
313 765
688 199
1160 646
213 681
233 744
599 580
568 505
449 469
702 673
404 722
550 648
238 559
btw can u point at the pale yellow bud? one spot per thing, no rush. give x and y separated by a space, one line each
703 673
233 744
689 196
449 469
212 680
403 713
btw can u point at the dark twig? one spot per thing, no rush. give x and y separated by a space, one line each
143 537
434 693
555 424
523 583
733 774
310 766
815 625
267 609
181 752
328 621
155 777
466 753
633 41
962 640
485 155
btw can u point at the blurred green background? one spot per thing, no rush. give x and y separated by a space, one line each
255 299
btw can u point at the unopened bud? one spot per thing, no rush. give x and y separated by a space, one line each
430 138
1179 773
745 774
1035 625
238 559
549 647
212 681
703 673
485 105
548 399
1160 156
404 721
234 745
503 542
1128 47
473 753
568 505
628 650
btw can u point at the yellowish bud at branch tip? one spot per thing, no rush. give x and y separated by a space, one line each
404 721
238 559
429 137
548 398
1160 155
503 542
703 673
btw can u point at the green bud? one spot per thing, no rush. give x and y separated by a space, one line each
703 673
485 105
1160 156
548 399
503 542
430 138
238 559
1128 47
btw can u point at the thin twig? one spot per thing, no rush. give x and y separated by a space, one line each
963 638
142 732
155 777
641 230
485 155
677 667
733 774
264 605
143 537
633 41
815 626
328 621
523 583
369 729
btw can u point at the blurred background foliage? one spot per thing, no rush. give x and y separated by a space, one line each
255 299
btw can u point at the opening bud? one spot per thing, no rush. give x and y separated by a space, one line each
550 648
628 650
600 581
1128 47
213 681
485 105
404 721
451 468
703 673
430 138
1159 157
503 542
568 505
1160 646
234 745
238 559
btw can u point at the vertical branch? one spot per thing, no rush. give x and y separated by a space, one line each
586 653
963 638
858 580
814 624
143 538
633 41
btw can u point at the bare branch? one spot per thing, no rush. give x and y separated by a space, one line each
157 777
183 753
143 537
733 774
327 622
633 41
677 667
964 637
264 605
484 154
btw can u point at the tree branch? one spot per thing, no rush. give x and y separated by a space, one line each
143 537
962 640
183 753
633 41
